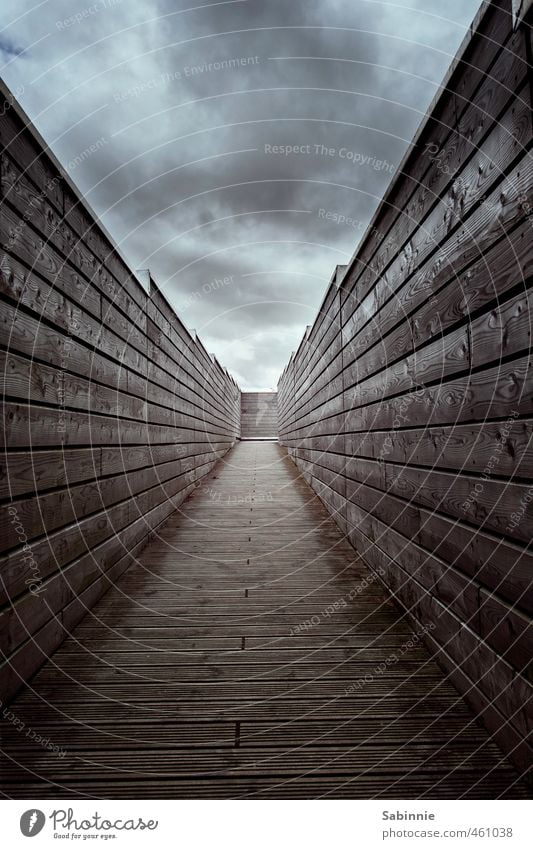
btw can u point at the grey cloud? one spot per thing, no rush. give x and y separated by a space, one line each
9 48
168 93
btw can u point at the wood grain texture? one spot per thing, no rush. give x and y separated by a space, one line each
222 628
113 411
248 653
415 430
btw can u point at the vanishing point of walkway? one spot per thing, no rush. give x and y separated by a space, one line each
249 654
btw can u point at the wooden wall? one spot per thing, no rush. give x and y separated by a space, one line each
259 415
113 411
409 403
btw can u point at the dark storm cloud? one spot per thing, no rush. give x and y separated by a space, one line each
233 141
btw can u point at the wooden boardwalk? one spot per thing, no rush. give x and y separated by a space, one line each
249 654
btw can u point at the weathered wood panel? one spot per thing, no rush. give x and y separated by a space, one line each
419 438
113 411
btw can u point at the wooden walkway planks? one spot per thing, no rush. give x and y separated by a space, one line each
248 654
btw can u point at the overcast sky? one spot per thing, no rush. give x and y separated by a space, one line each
193 114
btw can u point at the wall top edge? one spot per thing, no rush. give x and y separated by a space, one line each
142 278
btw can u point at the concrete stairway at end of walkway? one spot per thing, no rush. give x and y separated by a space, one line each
249 654
259 415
